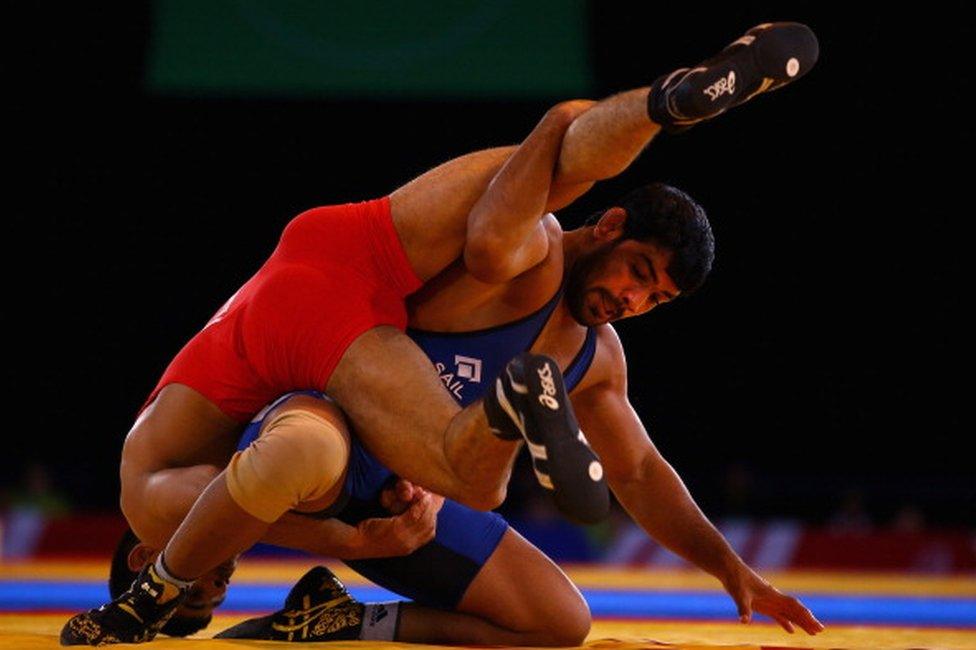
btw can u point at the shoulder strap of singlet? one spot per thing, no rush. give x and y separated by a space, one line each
544 313
581 363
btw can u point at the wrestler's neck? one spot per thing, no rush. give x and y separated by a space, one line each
577 243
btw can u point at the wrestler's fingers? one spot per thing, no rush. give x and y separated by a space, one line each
405 490
784 622
420 507
423 518
744 607
805 619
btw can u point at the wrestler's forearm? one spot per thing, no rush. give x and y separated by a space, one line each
325 537
659 501
504 236
605 140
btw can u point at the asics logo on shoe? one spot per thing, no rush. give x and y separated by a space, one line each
548 388
725 85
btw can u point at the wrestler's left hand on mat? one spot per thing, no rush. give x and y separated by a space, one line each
751 593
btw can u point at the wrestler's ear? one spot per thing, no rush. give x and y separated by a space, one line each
141 555
610 226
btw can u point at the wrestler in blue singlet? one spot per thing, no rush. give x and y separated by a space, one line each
467 363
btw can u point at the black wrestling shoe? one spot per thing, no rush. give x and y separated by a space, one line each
134 617
505 403
530 401
318 608
767 57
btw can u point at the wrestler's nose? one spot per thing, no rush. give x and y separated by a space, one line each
633 299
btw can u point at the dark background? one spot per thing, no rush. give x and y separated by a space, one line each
824 358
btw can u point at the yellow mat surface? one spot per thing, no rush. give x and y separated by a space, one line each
30 632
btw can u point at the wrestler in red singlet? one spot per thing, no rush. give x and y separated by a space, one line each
337 272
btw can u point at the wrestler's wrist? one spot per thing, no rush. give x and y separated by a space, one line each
731 568
343 542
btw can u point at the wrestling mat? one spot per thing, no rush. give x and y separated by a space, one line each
632 609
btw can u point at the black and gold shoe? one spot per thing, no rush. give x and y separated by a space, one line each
318 608
765 58
134 617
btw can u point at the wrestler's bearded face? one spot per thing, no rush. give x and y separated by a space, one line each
619 279
206 594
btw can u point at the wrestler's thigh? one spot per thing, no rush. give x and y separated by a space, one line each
397 405
520 588
155 503
176 447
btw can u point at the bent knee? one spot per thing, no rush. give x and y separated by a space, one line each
569 626
573 628
298 460
560 614
564 113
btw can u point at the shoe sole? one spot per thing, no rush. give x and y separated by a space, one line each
765 58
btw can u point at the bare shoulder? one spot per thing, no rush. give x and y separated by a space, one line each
554 234
610 354
553 231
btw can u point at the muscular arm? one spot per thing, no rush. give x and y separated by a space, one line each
390 536
326 537
655 496
412 522
645 483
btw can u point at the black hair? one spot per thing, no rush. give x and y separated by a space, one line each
121 577
673 220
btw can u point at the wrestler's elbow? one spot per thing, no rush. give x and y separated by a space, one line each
489 260
561 116
494 258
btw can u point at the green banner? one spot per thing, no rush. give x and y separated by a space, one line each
475 48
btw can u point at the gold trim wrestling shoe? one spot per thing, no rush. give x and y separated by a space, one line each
318 608
136 616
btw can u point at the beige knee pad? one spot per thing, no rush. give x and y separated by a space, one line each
298 458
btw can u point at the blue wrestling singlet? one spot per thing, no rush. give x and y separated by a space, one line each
467 363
